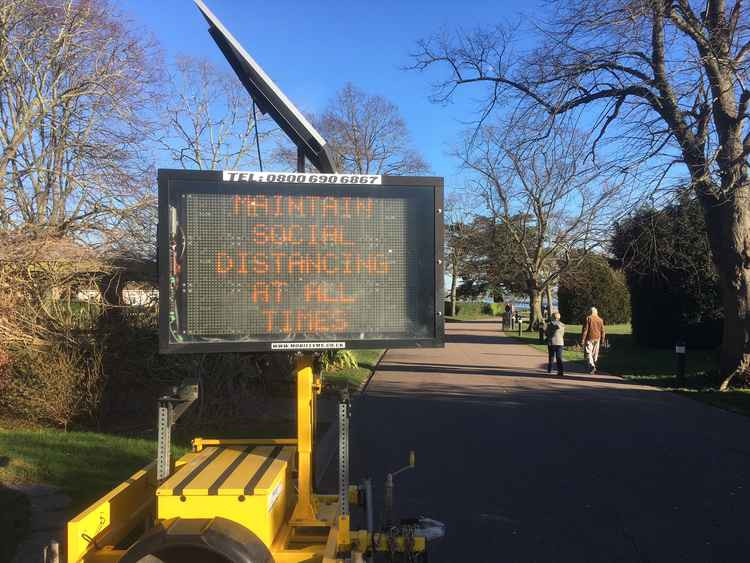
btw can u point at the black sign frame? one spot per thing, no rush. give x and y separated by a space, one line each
167 200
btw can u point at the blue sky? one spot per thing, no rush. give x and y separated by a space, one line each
311 49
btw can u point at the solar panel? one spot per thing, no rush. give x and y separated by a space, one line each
268 96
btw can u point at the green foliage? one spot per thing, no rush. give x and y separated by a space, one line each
470 289
337 359
494 309
353 376
593 283
486 259
468 309
673 282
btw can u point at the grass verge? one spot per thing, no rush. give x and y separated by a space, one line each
652 366
85 465
354 378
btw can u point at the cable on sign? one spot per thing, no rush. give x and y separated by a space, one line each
257 138
184 242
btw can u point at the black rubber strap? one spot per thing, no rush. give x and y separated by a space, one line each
255 479
214 489
195 472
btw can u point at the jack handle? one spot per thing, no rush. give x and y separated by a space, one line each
389 488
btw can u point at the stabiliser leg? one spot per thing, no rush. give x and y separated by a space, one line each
305 511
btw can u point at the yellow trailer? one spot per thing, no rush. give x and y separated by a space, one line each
232 501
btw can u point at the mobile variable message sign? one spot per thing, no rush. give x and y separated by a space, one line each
256 261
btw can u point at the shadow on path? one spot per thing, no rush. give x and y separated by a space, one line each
528 467
405 367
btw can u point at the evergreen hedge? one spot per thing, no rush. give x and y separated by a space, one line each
672 279
593 283
475 308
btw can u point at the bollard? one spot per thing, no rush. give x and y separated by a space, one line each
680 351
51 552
520 325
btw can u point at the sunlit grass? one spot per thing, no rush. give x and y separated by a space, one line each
354 377
85 465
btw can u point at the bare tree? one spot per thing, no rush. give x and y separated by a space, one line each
76 87
209 123
548 204
366 134
458 239
666 78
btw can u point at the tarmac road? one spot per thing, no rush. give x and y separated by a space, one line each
523 466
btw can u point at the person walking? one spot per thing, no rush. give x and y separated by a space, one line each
555 343
593 334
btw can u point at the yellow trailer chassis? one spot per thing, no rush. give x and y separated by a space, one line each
241 491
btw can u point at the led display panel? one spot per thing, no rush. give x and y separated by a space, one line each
262 261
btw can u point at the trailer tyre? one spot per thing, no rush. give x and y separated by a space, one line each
210 540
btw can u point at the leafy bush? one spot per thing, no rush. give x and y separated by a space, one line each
593 283
337 359
51 352
64 362
672 279
494 309
53 385
474 308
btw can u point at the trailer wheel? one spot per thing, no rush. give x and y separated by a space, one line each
215 540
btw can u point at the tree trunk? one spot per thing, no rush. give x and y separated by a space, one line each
728 225
535 308
454 275
549 298
110 289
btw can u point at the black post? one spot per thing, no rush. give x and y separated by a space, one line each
300 160
680 351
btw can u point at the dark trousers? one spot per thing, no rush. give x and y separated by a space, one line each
555 353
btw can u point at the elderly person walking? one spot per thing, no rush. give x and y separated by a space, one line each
555 342
592 335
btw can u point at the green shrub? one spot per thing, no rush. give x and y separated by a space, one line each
337 359
474 308
673 283
53 385
496 309
469 309
593 283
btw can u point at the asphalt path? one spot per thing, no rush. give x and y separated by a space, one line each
523 466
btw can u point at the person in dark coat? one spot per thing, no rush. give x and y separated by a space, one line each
555 343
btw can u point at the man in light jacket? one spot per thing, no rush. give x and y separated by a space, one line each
555 342
592 335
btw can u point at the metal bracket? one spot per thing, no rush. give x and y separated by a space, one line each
344 415
170 408
164 441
